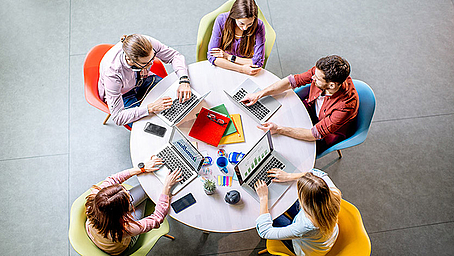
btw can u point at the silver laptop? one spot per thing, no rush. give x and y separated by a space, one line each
255 164
179 153
178 111
260 111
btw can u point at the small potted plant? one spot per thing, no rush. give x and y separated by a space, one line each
209 186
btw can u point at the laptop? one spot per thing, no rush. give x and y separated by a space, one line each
255 164
262 110
178 111
179 152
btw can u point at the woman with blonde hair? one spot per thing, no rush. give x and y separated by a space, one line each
314 228
238 39
125 77
115 216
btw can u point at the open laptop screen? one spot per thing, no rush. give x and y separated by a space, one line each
254 156
186 149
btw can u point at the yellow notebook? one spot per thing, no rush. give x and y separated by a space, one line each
237 136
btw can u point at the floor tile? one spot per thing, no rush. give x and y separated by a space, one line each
34 79
424 240
400 177
34 206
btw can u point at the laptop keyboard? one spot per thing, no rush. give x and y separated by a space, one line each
172 161
258 109
177 108
263 175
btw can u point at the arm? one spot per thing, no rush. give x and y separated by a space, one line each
275 88
114 99
296 133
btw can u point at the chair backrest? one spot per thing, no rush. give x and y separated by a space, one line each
206 28
91 76
83 244
353 238
366 107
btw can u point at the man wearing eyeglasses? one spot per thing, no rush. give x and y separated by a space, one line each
125 77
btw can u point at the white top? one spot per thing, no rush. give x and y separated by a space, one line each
211 213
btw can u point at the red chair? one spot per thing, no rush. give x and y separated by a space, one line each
91 77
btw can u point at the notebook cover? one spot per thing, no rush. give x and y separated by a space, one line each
237 136
223 110
207 130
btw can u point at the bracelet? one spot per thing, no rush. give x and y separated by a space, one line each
184 77
184 81
233 58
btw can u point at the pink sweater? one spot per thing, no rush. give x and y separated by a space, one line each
117 78
142 226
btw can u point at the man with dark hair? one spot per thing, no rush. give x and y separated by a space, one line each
332 102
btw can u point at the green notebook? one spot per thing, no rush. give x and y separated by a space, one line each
230 126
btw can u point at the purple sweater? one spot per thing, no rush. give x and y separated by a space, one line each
259 47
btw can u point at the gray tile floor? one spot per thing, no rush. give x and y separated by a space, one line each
54 146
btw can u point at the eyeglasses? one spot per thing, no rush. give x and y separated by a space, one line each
216 120
141 67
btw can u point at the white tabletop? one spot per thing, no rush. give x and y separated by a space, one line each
210 212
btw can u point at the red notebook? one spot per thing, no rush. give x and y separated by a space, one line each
209 126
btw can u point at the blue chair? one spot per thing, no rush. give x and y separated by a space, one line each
365 113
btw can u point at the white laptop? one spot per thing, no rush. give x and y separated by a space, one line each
255 164
179 153
262 110
178 111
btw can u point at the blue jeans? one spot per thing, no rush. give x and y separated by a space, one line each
135 96
283 221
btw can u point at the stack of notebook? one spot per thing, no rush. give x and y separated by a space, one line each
215 126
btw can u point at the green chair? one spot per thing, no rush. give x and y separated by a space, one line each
84 246
206 27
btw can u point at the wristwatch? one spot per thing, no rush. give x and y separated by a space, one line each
233 58
141 167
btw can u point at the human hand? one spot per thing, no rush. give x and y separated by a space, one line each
153 164
251 98
160 104
269 126
184 92
279 175
250 69
218 53
171 179
262 189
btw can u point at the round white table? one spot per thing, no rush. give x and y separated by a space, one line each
210 212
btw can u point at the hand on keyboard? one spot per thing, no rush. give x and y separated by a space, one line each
171 179
184 92
160 104
251 98
279 175
153 164
262 189
272 127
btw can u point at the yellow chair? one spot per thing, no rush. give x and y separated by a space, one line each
206 27
84 246
352 239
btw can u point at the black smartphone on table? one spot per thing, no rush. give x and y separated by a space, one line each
155 129
183 203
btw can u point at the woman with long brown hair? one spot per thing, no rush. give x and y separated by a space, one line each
238 39
313 229
115 215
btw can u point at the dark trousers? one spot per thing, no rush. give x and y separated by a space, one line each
283 221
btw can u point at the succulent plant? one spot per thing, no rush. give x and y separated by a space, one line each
209 186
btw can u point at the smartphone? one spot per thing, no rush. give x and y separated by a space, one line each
155 129
183 203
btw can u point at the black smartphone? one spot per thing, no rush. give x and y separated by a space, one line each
183 203
155 129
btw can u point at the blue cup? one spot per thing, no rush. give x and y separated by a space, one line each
222 163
